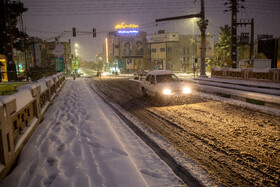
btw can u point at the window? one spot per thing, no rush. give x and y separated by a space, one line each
169 49
162 49
188 50
167 78
117 46
184 50
51 47
154 50
153 80
148 78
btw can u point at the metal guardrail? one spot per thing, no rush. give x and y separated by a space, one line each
20 116
270 75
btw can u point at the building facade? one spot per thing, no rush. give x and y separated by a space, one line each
125 49
129 50
171 51
56 55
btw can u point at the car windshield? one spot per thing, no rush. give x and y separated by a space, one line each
166 78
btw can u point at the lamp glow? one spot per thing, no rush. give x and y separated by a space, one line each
107 52
128 32
124 26
166 92
186 90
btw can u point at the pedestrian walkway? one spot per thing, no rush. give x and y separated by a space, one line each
82 142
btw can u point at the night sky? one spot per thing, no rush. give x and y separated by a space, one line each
47 19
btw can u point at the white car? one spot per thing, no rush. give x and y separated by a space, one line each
162 84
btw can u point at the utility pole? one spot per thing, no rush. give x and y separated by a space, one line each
252 41
233 33
234 5
34 51
202 26
2 26
252 34
8 42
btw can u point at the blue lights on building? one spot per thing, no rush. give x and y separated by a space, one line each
128 31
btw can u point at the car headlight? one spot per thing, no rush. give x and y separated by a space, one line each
166 92
186 90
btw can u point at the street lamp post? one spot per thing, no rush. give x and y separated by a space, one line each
193 20
202 25
76 56
194 46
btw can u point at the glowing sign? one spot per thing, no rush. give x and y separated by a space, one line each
123 26
128 32
107 51
3 68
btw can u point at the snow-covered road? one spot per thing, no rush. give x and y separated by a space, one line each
82 142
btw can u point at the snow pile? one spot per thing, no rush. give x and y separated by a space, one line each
23 96
43 85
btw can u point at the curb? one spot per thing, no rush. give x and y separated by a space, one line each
268 100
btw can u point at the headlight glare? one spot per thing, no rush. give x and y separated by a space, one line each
186 90
166 92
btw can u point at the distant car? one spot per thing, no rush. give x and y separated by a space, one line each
163 84
140 75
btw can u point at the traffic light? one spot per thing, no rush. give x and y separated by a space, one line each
74 31
94 32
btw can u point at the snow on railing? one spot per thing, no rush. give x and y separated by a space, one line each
271 75
21 113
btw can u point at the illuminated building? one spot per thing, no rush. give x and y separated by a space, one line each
3 68
125 49
171 51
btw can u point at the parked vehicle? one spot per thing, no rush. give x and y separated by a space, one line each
163 84
140 75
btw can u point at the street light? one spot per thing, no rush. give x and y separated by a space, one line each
193 20
76 45
194 46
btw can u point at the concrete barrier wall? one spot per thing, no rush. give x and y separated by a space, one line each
269 75
21 113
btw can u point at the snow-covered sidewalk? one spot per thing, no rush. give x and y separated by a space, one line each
82 142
